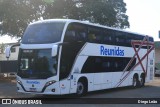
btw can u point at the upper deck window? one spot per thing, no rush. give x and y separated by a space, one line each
43 33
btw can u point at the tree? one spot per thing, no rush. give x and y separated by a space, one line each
15 15
106 12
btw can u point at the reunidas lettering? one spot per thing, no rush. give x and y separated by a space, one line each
111 52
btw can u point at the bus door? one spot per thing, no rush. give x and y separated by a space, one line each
69 85
66 63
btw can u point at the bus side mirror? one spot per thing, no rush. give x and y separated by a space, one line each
54 50
8 51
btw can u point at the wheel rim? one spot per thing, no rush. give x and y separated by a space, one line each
80 88
134 82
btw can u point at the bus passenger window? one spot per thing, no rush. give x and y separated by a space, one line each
108 36
83 36
107 39
91 37
70 36
76 32
98 64
116 65
95 34
117 39
106 66
98 38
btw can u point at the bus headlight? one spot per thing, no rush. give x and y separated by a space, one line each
50 83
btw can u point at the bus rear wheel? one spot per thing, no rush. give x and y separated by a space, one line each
135 82
81 88
142 81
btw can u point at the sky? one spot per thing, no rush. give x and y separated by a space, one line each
7 39
144 18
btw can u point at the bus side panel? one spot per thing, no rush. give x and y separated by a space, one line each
102 81
150 71
65 86
116 79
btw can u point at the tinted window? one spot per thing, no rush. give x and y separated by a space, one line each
95 34
106 64
108 37
43 33
120 38
86 33
68 55
76 33
131 65
37 64
66 62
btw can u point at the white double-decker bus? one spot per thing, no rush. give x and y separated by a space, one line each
63 56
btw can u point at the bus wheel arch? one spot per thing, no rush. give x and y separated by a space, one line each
135 81
82 86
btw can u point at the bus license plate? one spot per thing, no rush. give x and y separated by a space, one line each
33 89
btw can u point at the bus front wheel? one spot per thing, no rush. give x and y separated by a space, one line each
81 88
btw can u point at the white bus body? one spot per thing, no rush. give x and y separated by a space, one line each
97 61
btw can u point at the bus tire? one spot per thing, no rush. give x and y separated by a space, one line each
135 82
81 88
142 81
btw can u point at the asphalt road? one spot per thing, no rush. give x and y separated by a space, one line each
151 90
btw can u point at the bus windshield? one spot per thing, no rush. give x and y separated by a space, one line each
43 33
37 64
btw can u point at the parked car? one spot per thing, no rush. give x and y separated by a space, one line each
157 72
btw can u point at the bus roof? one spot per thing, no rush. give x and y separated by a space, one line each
84 22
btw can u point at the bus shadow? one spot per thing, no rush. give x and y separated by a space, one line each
92 97
108 92
89 94
113 90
